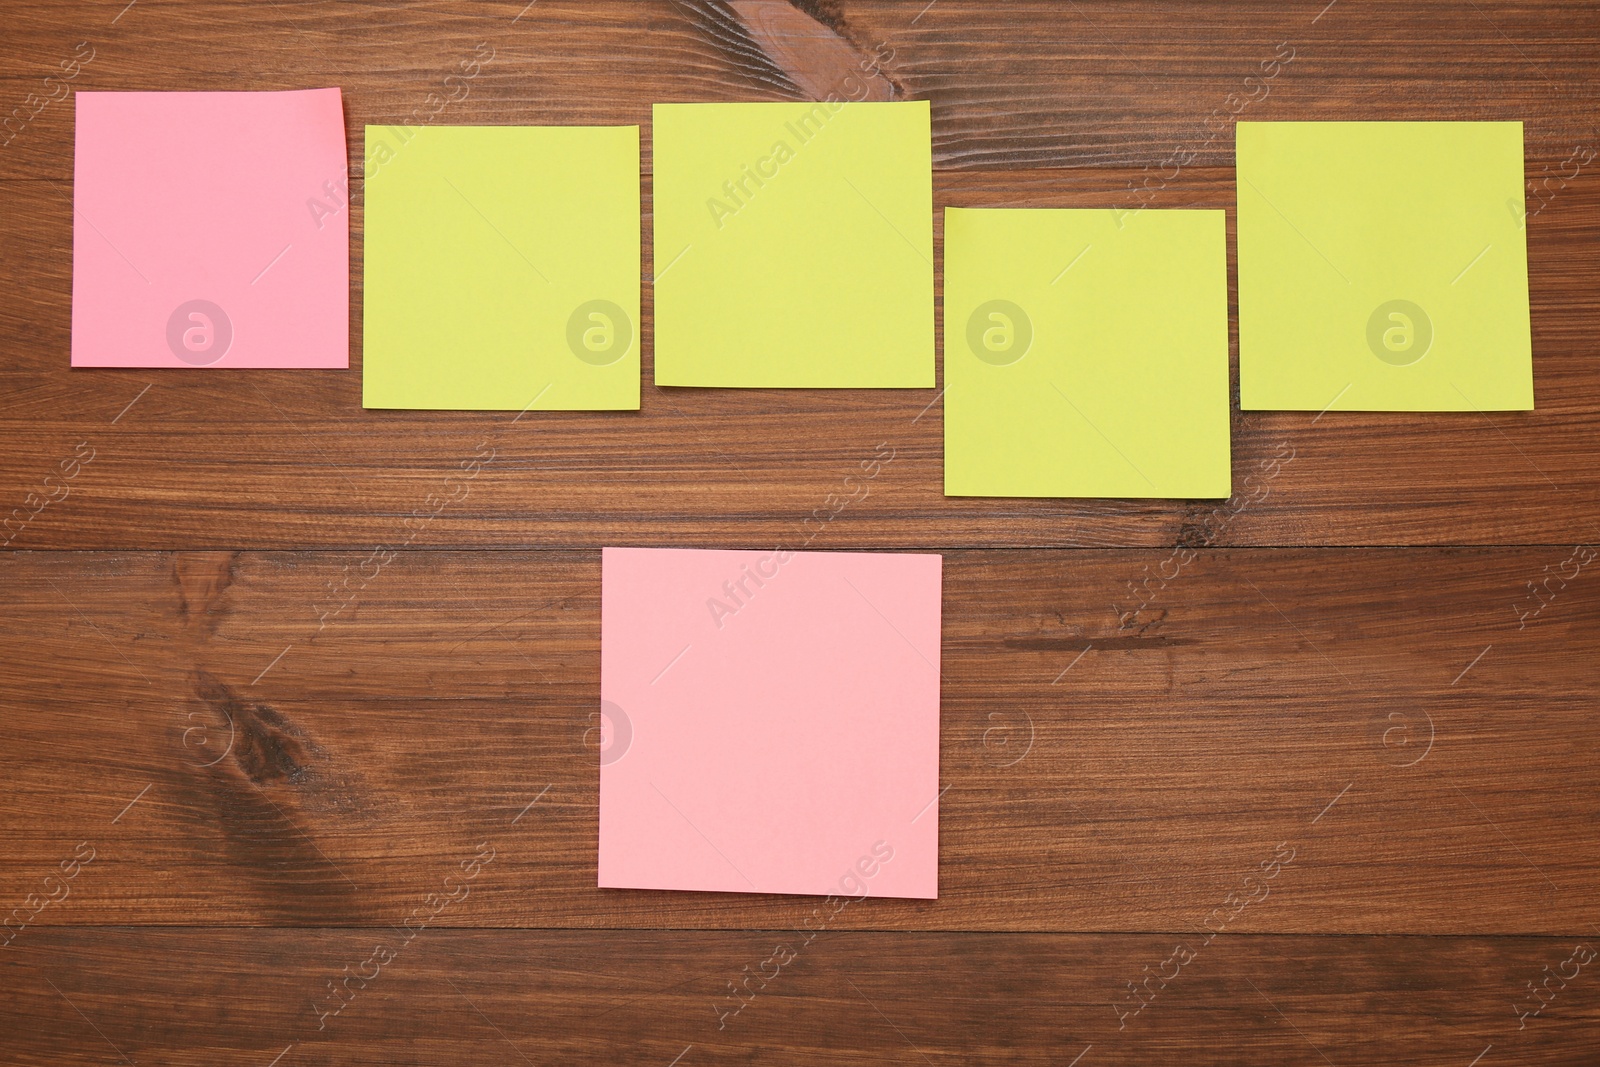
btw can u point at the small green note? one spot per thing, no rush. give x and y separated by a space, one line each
1383 266
1086 353
502 268
794 245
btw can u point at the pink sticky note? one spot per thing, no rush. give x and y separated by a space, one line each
210 229
770 722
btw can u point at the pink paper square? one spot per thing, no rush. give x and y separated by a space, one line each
210 229
770 722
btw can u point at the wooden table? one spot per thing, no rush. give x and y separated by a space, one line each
1304 779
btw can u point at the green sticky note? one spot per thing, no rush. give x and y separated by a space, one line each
794 245
502 268
1086 353
1383 266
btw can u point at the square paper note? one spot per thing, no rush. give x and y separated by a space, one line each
1086 353
502 268
1383 267
210 230
770 722
794 245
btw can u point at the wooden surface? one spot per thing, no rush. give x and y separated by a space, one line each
261 745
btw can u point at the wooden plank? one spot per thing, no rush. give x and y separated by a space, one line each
263 459
1127 736
207 996
1303 748
272 459
1015 83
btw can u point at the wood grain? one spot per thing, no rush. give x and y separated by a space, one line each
1015 83
264 459
269 703
1120 750
500 997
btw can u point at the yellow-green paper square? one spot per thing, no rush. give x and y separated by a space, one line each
502 268
1085 353
794 245
1383 266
